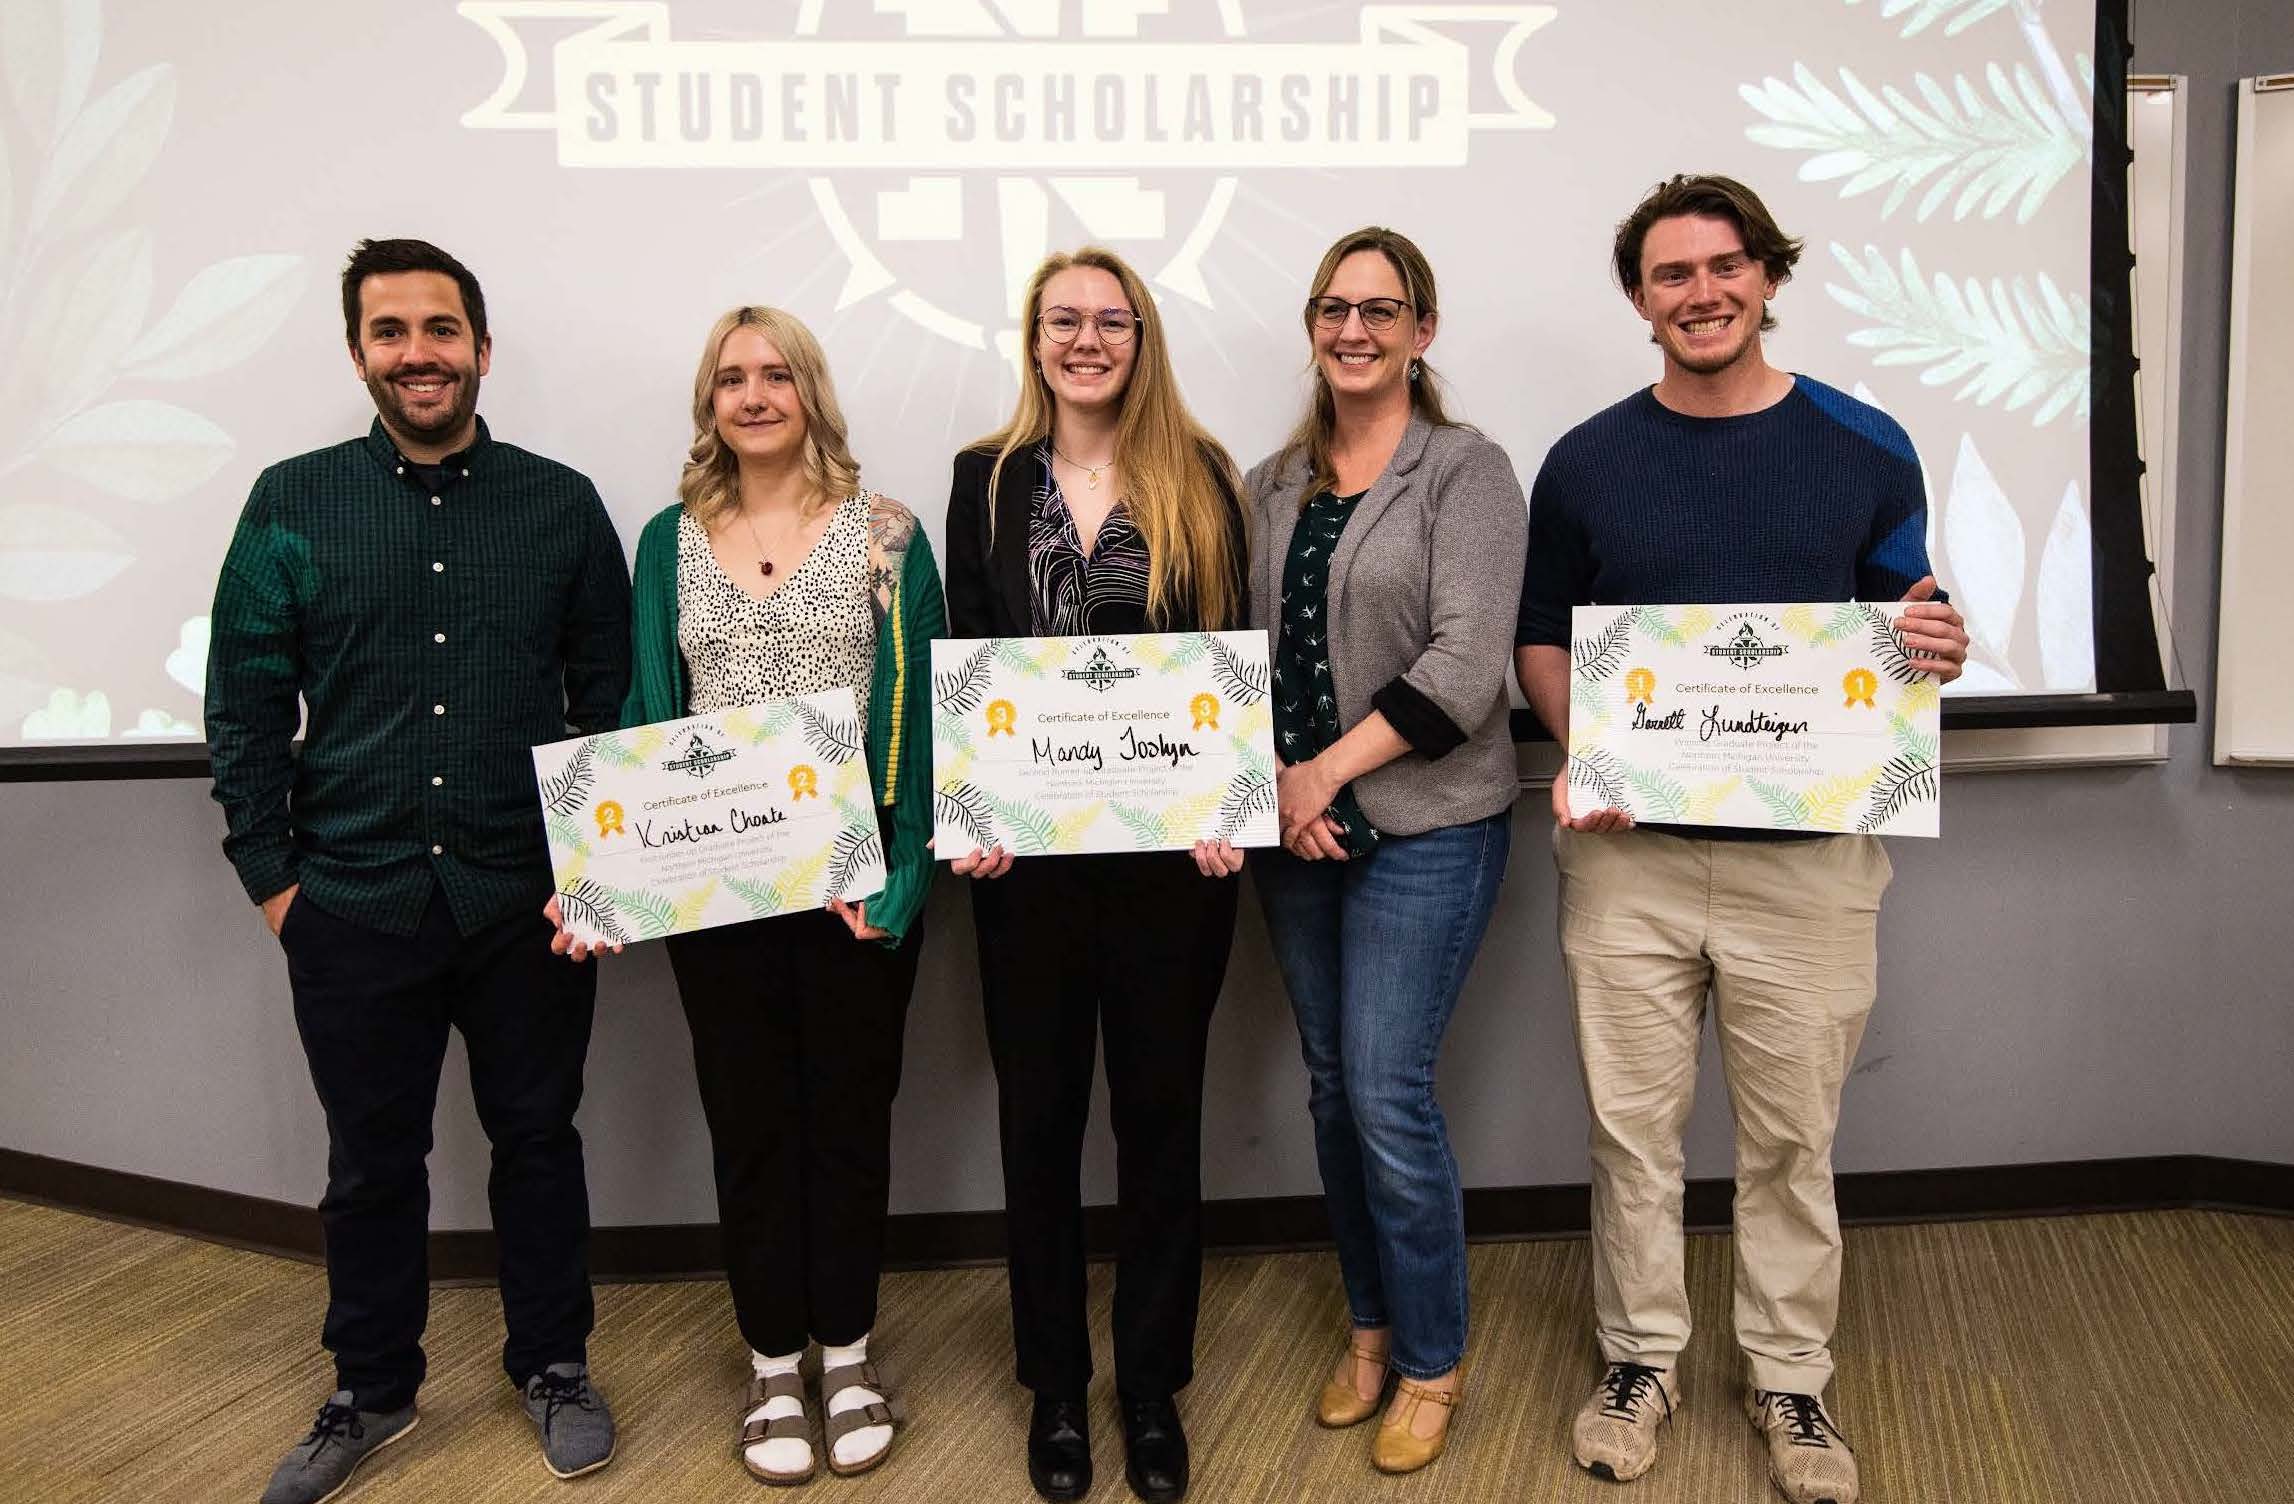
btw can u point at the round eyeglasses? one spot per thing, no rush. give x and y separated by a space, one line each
1062 324
1378 314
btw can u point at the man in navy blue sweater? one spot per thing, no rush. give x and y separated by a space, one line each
1727 481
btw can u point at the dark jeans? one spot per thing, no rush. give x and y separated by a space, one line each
1137 943
373 1010
797 1032
1373 952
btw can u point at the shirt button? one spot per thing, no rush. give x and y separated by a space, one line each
438 637
436 781
434 501
465 475
437 710
437 566
437 851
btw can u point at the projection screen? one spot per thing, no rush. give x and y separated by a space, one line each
179 187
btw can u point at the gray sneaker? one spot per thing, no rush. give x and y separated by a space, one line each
319 1466
577 1428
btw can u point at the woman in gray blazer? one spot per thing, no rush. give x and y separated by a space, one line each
1386 563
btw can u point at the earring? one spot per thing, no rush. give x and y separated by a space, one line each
1414 369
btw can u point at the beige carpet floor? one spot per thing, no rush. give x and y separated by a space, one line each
2134 1359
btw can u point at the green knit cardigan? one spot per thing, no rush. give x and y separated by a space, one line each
910 612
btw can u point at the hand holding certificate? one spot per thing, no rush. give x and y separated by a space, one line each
710 820
1149 742
1778 717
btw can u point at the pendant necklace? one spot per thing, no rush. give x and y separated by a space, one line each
1091 472
764 564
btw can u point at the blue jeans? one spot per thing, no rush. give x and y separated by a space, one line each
1374 952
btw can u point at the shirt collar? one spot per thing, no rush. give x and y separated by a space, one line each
468 460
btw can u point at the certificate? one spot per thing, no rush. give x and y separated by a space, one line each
1149 742
711 820
1789 717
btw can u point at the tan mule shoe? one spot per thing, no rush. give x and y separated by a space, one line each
1342 1404
1398 1449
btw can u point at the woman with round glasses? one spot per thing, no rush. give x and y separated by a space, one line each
1386 560
1100 507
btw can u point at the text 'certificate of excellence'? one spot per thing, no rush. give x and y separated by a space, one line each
1148 742
1790 717
711 820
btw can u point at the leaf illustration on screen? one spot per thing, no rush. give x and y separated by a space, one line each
591 906
2021 342
1925 13
2013 148
961 689
1599 656
1903 782
567 790
1983 540
51 553
2065 599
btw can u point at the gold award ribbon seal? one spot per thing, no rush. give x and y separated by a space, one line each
609 819
1205 709
1861 684
804 783
1001 716
1640 685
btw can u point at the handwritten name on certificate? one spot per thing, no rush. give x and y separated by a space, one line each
1149 742
1791 717
711 820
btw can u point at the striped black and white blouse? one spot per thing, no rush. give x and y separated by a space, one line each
1074 596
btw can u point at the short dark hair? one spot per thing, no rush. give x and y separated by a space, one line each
378 258
1717 198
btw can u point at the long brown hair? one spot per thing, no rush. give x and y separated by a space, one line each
710 486
1178 481
1312 436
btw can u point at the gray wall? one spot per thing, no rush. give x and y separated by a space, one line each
2087 966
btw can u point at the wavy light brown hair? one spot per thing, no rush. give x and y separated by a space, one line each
1713 197
1312 436
1178 481
710 486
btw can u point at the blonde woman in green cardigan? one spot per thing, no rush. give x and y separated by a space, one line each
777 575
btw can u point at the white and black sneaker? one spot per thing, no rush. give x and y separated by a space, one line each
1808 1458
319 1466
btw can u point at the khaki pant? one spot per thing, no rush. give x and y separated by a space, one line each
1782 934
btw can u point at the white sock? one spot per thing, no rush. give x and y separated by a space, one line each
787 1454
868 1440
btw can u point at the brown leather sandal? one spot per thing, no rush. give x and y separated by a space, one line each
885 1411
1396 1449
1342 1405
755 1428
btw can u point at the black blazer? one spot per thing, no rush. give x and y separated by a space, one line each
987 581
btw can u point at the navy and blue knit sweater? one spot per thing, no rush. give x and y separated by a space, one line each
1816 498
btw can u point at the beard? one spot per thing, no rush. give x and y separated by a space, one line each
1712 362
439 422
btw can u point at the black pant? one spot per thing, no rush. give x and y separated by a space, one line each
797 1030
1139 943
374 1010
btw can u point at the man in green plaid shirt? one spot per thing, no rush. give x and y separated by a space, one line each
439 602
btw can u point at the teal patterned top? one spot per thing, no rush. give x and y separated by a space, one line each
1305 705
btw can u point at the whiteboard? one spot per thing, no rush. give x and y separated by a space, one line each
2254 696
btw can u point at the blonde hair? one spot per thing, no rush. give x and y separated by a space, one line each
1179 482
1312 436
710 486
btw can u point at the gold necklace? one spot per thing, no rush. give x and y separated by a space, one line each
1091 472
764 560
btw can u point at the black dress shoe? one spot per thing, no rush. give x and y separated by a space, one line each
1059 1448
1154 1449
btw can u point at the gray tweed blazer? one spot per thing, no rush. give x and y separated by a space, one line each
1424 585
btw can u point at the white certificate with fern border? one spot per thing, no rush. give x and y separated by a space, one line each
1064 745
1777 717
714 819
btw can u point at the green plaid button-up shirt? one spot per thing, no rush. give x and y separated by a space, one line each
435 638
